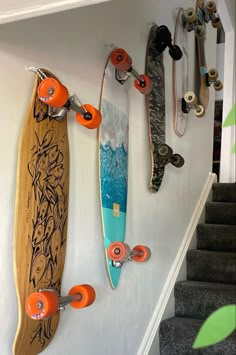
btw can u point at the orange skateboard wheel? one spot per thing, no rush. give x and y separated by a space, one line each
87 296
147 88
143 253
120 59
118 251
53 93
40 305
96 117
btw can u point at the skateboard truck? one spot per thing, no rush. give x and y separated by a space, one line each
211 14
166 156
163 40
59 101
193 21
191 102
121 60
46 302
120 253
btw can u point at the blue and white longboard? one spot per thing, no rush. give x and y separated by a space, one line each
113 163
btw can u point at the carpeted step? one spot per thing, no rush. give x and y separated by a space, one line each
211 266
216 237
224 192
177 335
195 299
220 213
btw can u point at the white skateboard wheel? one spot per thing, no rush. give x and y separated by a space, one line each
213 74
190 98
211 7
190 14
218 85
199 112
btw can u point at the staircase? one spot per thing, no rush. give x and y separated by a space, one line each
211 279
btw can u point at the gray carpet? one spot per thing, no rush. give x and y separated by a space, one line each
211 279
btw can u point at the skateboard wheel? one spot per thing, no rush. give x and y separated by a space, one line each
40 305
190 14
199 112
211 7
143 253
213 74
87 296
190 98
53 93
218 85
120 59
175 54
216 23
177 160
165 151
118 251
94 121
146 87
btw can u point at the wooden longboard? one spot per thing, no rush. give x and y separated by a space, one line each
180 75
113 163
201 58
41 208
155 108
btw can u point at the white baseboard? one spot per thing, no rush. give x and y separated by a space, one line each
174 271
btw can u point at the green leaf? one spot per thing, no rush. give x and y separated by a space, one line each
233 149
219 325
231 118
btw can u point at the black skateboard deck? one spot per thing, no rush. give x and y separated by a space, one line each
155 108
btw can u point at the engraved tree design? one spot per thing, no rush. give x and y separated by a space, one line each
47 240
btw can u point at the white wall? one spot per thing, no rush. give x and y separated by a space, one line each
71 44
227 166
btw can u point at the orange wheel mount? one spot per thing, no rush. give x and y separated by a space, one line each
91 118
144 87
40 305
53 93
143 253
120 59
86 295
118 251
